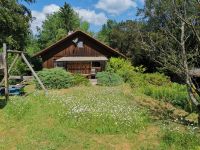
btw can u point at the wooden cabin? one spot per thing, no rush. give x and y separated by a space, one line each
78 53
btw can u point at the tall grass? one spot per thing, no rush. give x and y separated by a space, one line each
159 86
175 138
101 110
174 93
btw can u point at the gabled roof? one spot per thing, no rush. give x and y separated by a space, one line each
73 35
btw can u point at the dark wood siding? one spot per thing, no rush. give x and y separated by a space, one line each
79 67
69 49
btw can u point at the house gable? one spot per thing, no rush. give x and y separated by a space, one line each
92 42
78 44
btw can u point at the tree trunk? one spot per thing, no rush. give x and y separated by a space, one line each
186 71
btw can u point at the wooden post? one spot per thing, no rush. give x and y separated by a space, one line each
33 72
5 57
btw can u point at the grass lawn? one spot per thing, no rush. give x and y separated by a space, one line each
92 118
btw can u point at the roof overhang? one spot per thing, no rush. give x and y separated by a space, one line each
81 59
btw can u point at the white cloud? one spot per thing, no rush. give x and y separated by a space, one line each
91 16
115 6
142 1
41 16
49 9
86 15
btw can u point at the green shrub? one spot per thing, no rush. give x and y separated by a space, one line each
79 79
108 79
156 79
55 78
137 80
122 67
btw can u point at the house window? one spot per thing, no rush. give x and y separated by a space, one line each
60 64
96 64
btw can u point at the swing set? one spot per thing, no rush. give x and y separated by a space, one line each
6 71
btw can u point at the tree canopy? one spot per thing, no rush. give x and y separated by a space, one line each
57 25
14 23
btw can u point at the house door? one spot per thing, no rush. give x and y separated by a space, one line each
79 67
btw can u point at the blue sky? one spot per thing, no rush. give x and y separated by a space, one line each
96 12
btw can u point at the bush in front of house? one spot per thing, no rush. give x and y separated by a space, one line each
79 79
56 78
123 68
108 79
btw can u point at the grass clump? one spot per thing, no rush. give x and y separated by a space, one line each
179 140
173 93
79 79
159 87
108 79
18 108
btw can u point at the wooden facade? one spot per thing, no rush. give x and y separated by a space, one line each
78 45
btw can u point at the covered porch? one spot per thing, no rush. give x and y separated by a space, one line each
87 66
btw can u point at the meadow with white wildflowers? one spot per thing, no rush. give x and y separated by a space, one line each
92 117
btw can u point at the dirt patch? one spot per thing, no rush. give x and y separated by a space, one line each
123 146
116 142
148 138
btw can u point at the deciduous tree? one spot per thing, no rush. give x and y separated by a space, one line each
174 42
14 23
